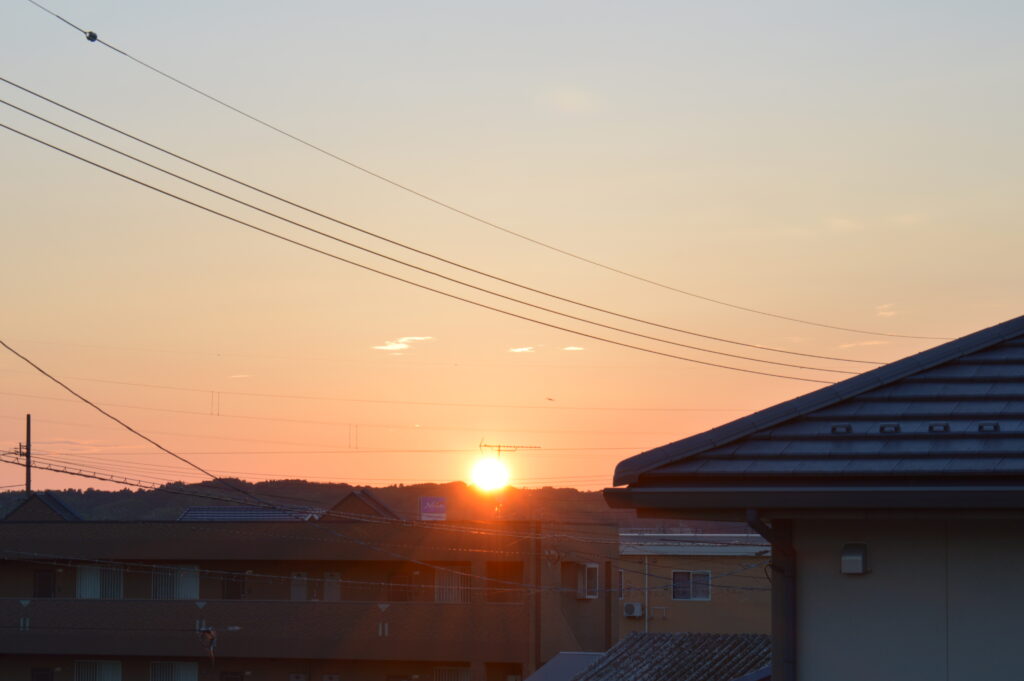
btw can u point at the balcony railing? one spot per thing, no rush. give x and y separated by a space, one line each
495 632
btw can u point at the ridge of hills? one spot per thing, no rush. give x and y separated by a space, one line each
464 503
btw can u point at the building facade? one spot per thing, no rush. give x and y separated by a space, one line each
699 583
317 600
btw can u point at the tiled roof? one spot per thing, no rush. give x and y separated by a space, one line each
360 502
564 666
681 657
58 506
41 506
954 410
234 514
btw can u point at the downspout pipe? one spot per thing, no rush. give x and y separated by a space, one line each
783 566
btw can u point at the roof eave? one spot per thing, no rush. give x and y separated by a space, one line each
733 500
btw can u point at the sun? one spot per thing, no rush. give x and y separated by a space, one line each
489 475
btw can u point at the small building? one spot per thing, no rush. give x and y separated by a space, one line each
894 503
703 583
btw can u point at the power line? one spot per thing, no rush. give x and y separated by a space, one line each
374 234
430 272
103 411
328 398
141 483
93 37
395 277
379 426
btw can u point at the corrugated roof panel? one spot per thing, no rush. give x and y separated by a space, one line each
711 466
954 371
981 464
869 466
995 406
750 448
1001 353
910 465
1010 465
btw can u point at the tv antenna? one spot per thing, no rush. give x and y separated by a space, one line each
499 448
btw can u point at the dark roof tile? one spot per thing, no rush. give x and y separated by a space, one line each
681 657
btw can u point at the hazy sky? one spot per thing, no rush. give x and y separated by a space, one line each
856 164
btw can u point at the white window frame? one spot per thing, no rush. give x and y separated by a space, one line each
332 586
690 585
173 671
184 582
99 582
97 670
588 581
299 586
451 586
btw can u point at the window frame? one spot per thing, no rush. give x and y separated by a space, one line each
690 585
585 591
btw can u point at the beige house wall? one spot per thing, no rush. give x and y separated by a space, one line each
740 595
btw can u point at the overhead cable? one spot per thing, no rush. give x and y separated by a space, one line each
93 37
372 234
428 271
395 277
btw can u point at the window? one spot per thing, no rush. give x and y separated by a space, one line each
691 585
451 674
232 586
332 586
99 582
587 585
97 670
300 586
176 583
621 588
451 587
44 584
505 581
174 671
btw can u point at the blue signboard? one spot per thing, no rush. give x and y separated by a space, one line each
433 508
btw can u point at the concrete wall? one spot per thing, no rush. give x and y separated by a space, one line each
138 669
943 600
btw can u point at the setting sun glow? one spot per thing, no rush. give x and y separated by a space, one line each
489 475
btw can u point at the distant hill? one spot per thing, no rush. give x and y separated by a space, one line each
464 503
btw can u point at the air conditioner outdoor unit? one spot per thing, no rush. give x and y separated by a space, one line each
633 609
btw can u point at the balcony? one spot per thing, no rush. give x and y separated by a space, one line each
493 632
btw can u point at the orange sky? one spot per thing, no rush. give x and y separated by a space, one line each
853 166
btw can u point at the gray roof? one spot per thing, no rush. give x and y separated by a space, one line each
681 657
954 411
666 544
762 674
51 501
564 666
235 514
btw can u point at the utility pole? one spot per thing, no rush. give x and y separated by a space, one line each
28 453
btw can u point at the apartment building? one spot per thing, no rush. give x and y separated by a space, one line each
693 582
363 597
